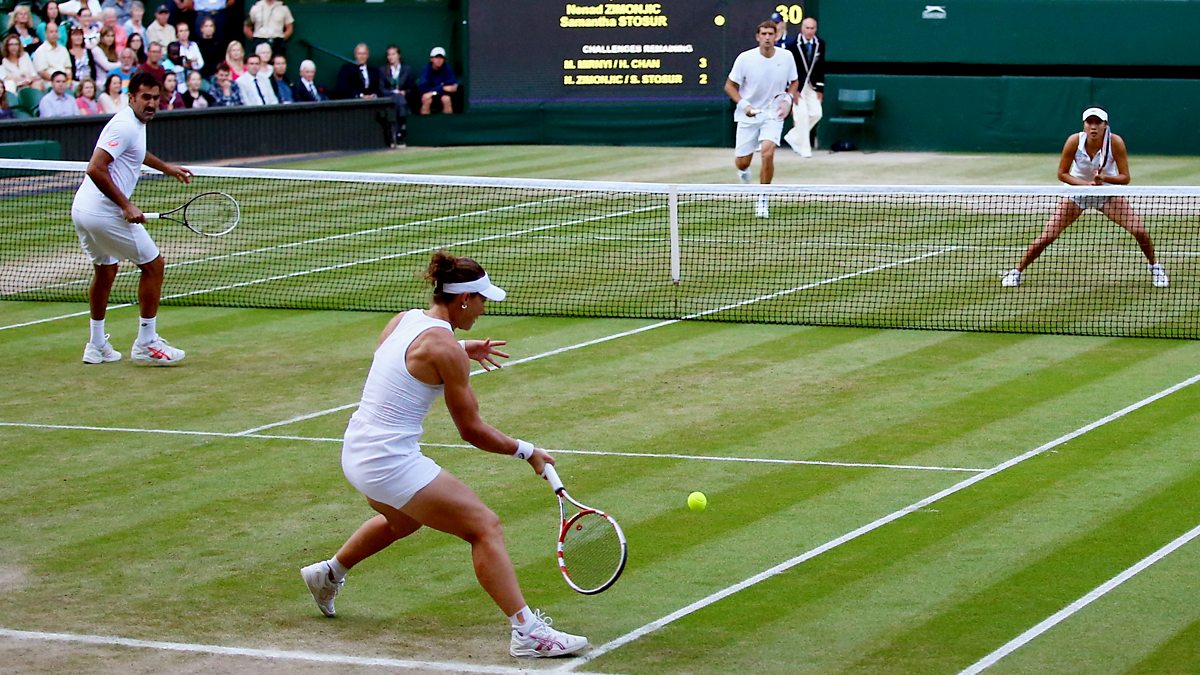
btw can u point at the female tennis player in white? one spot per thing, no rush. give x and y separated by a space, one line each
110 228
417 359
758 76
1094 156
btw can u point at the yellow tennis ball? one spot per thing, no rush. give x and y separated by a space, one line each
697 501
720 21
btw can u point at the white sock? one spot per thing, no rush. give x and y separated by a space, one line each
147 330
336 568
522 620
744 175
97 332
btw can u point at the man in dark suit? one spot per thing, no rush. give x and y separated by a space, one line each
358 80
809 52
306 90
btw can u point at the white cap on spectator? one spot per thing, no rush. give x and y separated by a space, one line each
437 51
1095 112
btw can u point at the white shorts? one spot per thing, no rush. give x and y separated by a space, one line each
1091 201
384 466
108 239
751 134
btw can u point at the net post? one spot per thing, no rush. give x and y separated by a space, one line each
673 210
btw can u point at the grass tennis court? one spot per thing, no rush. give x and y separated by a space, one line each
866 509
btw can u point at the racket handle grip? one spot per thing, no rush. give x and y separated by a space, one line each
152 216
551 475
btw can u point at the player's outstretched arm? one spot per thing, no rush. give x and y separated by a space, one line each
485 352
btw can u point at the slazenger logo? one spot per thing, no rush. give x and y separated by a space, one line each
113 144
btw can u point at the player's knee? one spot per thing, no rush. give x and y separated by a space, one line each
485 526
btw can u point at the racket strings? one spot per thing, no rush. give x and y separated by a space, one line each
211 213
591 551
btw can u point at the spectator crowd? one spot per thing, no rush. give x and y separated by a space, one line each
76 58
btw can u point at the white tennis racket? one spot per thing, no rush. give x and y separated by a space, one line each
591 546
211 214
779 107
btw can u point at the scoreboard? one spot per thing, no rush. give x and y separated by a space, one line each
535 51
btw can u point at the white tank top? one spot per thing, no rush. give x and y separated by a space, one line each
1085 165
392 398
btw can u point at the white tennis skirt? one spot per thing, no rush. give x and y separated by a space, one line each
384 465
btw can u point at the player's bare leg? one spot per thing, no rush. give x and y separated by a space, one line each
100 289
150 287
767 171
1066 213
1120 212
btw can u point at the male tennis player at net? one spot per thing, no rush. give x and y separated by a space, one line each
110 227
1094 156
758 76
416 360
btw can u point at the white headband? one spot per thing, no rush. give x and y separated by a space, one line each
482 285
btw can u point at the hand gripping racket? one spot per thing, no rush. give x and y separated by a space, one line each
591 546
779 107
211 214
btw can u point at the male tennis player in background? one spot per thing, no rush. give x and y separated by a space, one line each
110 226
1094 156
758 76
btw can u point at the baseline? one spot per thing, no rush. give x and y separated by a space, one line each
865 529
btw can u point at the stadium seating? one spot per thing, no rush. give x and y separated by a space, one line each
857 109
28 100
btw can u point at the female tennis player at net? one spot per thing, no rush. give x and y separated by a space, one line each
1094 156
416 360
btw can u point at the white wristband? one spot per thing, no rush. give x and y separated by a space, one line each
524 450
463 344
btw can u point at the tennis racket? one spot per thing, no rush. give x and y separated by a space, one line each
591 546
211 214
779 107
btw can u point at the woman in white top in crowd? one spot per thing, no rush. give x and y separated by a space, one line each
417 360
113 100
17 68
1094 156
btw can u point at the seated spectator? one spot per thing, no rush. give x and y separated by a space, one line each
437 81
105 52
122 8
306 89
254 86
161 31
214 10
87 21
279 81
153 64
396 80
211 51
358 80
114 99
235 58
57 102
270 22
17 68
6 112
172 62
20 23
51 13
52 56
171 99
108 19
87 98
135 23
182 11
72 8
83 64
264 53
195 96
124 70
224 91
138 48
189 52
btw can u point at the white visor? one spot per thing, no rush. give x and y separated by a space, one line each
482 285
1095 112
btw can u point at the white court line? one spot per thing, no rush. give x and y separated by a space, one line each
62 316
271 654
865 529
598 453
1066 612
643 329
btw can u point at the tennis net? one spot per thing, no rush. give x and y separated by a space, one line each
897 257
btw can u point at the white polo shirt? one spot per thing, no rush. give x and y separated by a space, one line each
124 137
760 79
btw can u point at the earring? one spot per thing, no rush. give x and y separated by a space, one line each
464 306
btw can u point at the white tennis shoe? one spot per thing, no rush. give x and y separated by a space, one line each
1158 277
744 176
156 353
322 586
761 209
105 354
544 641
1011 278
